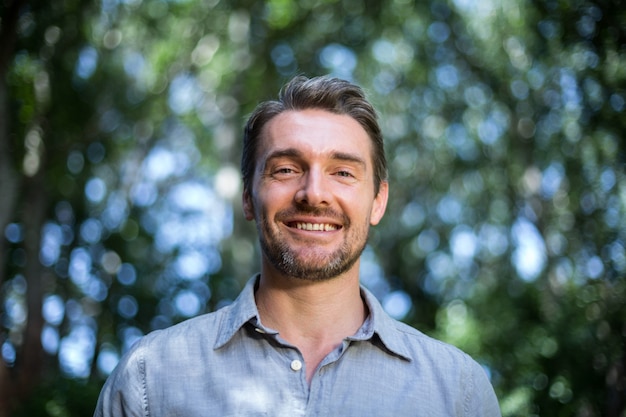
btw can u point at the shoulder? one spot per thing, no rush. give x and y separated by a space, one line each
418 340
203 328
423 346
449 368
195 336
428 355
410 343
152 358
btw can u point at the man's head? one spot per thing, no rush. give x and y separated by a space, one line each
324 93
314 178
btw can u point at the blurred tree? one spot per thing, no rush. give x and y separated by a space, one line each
119 127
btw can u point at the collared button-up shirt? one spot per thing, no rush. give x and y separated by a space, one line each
226 363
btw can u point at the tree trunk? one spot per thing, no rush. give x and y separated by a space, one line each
17 382
9 179
31 355
616 388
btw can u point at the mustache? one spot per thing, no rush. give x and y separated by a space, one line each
305 210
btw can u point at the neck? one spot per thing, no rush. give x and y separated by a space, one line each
312 307
313 316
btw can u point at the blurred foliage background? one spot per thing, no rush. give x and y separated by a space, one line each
120 126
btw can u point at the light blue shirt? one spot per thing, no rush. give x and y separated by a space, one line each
226 363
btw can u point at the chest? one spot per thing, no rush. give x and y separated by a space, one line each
271 381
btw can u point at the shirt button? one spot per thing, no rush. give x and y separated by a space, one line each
296 365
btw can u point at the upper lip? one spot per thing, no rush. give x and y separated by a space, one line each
315 224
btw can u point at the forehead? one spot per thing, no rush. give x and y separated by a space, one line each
315 132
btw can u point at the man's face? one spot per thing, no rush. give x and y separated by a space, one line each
312 194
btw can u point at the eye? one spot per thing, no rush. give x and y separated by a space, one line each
282 172
346 174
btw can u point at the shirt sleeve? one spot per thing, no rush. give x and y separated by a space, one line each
481 400
124 392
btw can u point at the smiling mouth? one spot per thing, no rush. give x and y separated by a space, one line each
319 227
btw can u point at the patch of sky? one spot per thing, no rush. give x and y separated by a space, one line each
613 215
80 273
193 264
144 193
51 241
594 267
80 266
194 217
53 309
110 262
75 162
477 95
617 253
161 163
127 274
571 94
463 244
15 311
371 274
464 146
283 58
184 94
607 179
438 32
447 76
50 339
187 303
440 265
384 51
479 9
227 182
127 306
129 336
108 358
13 232
397 304
427 241
87 62
493 239
76 351
493 127
9 354
551 179
110 120
617 101
96 152
412 215
116 211
95 190
91 230
529 257
385 82
519 89
450 209
339 60
134 64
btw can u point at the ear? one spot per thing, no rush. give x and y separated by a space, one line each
248 207
380 203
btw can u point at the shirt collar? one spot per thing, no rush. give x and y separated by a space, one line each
241 311
244 310
382 325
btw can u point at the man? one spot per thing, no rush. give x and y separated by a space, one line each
303 338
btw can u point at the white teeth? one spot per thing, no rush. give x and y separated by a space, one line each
316 226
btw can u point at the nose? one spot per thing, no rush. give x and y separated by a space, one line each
313 190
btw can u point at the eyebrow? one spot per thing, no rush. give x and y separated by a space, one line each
295 153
